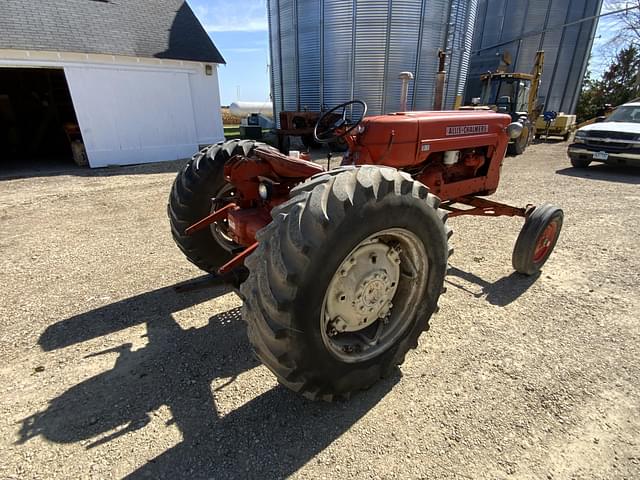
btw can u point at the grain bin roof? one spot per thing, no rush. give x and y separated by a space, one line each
140 28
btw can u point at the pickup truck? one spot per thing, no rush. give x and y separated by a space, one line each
614 140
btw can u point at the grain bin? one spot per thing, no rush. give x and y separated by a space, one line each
325 52
564 29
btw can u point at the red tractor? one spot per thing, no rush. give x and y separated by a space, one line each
341 270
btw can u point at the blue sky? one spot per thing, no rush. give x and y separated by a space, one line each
239 29
605 44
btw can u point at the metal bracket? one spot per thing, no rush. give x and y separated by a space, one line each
484 208
209 219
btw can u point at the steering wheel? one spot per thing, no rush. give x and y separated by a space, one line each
331 124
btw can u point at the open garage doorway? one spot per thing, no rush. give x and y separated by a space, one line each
38 125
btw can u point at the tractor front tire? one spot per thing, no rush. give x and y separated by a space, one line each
345 279
537 239
200 181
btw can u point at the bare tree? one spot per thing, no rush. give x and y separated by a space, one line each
615 31
626 21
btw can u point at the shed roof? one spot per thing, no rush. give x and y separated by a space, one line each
140 28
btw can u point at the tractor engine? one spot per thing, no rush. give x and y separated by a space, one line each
454 153
450 167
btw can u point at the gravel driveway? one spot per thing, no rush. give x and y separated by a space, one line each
107 371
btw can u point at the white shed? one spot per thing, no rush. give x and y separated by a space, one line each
138 78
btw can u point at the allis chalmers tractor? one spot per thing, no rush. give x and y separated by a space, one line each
341 270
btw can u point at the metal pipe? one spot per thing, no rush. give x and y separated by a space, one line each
404 94
440 79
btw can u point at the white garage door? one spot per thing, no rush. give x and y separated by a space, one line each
133 116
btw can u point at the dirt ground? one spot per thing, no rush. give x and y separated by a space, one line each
107 371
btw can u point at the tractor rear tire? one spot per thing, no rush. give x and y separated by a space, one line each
201 180
312 245
537 239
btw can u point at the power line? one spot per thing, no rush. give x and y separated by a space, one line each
540 32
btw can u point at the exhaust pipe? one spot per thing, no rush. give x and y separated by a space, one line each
404 94
440 79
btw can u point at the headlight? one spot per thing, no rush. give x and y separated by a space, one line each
514 129
579 137
264 190
581 133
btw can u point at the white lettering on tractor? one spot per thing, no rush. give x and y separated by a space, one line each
467 130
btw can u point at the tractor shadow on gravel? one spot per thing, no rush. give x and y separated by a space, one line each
501 292
270 435
608 173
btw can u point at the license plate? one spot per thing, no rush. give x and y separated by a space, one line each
600 155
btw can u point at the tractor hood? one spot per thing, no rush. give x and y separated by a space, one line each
617 127
405 138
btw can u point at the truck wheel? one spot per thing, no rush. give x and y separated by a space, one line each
345 279
578 163
537 239
200 181
519 145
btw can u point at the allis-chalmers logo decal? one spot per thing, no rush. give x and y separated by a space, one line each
467 130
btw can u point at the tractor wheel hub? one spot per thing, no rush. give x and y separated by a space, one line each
363 287
373 290
359 320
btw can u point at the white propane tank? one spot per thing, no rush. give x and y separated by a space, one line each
242 109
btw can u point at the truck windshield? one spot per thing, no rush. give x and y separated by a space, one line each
498 88
625 114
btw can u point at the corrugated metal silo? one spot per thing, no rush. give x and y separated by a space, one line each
325 52
522 27
459 42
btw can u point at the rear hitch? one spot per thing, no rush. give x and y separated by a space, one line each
209 219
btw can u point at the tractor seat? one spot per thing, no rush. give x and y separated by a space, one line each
287 166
